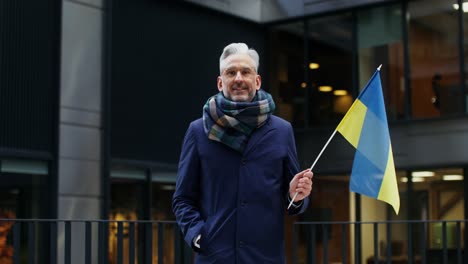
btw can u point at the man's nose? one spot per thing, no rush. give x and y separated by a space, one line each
238 76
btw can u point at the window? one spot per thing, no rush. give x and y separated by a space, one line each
380 42
434 59
163 186
330 68
127 196
24 195
288 86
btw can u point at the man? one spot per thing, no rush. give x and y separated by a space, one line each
238 170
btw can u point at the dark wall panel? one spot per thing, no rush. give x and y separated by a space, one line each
29 60
164 67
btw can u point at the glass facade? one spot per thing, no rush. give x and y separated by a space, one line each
131 193
127 196
312 59
379 36
23 195
426 195
431 195
288 86
163 186
434 59
330 46
320 63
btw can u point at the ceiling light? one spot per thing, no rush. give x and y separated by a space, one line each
417 179
465 7
404 179
340 92
314 65
422 174
168 187
452 177
325 88
303 85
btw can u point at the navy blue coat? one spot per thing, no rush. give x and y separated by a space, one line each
236 201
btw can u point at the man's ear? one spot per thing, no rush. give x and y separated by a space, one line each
258 82
219 82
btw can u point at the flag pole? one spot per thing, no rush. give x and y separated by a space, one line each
313 164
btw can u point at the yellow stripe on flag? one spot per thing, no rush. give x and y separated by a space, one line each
351 125
389 188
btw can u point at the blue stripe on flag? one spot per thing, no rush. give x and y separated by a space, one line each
371 98
366 178
374 141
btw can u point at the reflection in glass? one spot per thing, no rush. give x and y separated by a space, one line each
434 59
23 195
287 67
330 45
126 204
380 42
162 210
330 203
437 197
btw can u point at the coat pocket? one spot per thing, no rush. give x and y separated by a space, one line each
218 234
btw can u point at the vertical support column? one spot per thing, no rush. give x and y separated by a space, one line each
461 51
80 127
404 26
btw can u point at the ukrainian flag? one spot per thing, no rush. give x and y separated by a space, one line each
365 127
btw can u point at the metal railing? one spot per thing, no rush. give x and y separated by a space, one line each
379 242
37 241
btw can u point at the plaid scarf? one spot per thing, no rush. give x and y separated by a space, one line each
232 123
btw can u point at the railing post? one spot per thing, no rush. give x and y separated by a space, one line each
119 242
16 242
389 243
410 243
325 243
312 245
357 243
88 245
102 245
423 242
53 242
444 241
178 246
459 246
68 242
295 243
376 243
31 241
160 243
344 239
131 243
148 243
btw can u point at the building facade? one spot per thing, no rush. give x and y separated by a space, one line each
95 98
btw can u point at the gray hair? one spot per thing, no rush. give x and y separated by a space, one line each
238 48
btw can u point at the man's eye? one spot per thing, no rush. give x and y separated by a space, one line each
230 73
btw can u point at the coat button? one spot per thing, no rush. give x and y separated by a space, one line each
243 162
243 204
241 243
